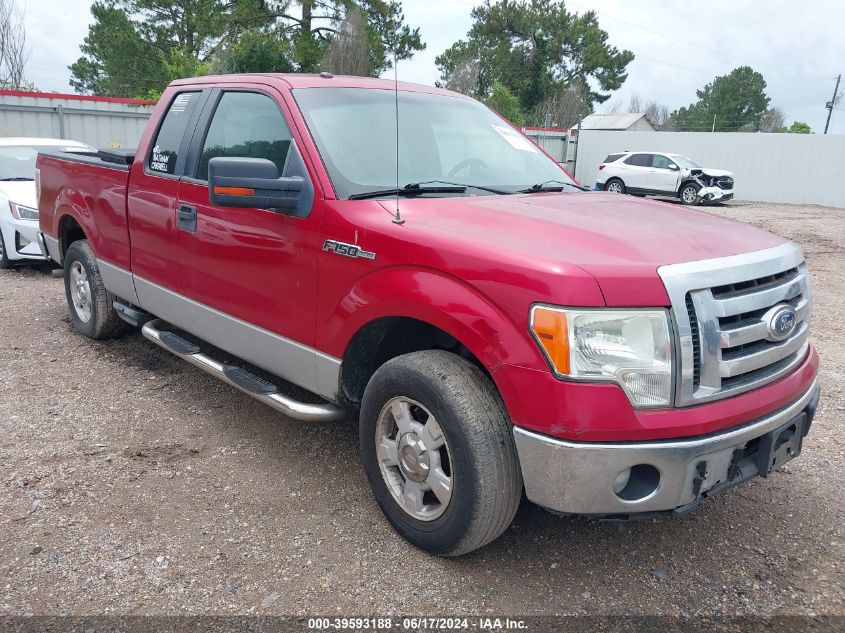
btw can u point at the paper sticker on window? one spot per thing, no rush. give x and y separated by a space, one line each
516 140
181 102
161 160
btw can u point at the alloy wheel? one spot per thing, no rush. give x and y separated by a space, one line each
80 291
413 457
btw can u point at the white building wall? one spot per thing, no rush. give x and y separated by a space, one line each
787 168
98 123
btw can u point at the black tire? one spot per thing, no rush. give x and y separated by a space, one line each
5 262
689 198
483 462
103 321
622 188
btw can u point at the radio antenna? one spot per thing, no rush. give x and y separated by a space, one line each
397 217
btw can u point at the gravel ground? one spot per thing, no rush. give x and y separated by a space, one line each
132 483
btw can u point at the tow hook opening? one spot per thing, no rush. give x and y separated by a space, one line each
637 482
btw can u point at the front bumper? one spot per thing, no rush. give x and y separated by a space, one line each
670 475
21 239
715 194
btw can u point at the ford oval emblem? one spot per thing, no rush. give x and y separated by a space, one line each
781 323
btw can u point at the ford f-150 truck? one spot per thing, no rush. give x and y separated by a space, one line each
407 256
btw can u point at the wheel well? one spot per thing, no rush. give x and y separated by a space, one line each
69 232
386 338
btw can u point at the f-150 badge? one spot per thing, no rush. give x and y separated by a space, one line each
348 250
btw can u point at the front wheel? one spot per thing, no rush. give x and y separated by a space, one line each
89 302
689 193
437 447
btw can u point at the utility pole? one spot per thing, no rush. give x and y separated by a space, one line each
830 105
713 129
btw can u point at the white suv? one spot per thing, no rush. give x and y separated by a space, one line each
659 174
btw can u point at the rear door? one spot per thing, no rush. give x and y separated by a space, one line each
257 266
636 171
154 188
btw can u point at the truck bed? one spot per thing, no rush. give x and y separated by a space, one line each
91 191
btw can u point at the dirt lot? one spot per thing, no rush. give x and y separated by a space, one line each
132 483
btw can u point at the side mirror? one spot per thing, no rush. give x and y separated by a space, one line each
255 183
673 167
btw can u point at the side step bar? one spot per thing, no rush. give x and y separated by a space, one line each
239 377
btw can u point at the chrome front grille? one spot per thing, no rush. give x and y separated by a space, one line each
722 310
725 182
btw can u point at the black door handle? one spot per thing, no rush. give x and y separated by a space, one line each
186 216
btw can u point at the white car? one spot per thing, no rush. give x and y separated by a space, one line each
664 174
18 205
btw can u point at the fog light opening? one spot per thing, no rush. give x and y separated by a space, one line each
637 482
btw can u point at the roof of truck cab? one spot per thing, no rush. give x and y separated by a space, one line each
302 80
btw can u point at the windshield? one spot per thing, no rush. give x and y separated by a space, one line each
441 139
684 162
17 162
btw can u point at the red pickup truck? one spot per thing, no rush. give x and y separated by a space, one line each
407 256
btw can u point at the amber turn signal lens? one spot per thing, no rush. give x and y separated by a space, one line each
552 332
234 191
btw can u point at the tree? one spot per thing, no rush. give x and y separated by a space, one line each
506 103
136 47
735 100
564 107
656 113
14 51
772 121
349 50
310 26
536 48
799 127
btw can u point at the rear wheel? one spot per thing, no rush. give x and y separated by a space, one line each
614 185
89 302
689 193
438 451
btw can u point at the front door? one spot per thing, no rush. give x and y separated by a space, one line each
663 177
251 273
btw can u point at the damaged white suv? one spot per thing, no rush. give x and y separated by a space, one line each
663 174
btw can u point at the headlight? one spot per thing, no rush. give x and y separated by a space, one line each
23 213
630 347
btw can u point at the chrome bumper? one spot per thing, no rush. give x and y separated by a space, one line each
578 477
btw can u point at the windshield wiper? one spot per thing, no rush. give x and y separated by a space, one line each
16 179
499 192
411 189
544 186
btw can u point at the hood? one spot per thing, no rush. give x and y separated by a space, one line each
716 173
619 240
21 192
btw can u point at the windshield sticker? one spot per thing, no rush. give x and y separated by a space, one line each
516 140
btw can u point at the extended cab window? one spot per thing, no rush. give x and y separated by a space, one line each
246 124
164 157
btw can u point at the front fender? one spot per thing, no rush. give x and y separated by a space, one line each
438 299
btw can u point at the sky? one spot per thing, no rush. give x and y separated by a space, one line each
798 47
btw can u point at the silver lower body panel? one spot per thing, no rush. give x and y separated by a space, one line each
578 477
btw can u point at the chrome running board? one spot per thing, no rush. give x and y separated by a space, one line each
240 378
